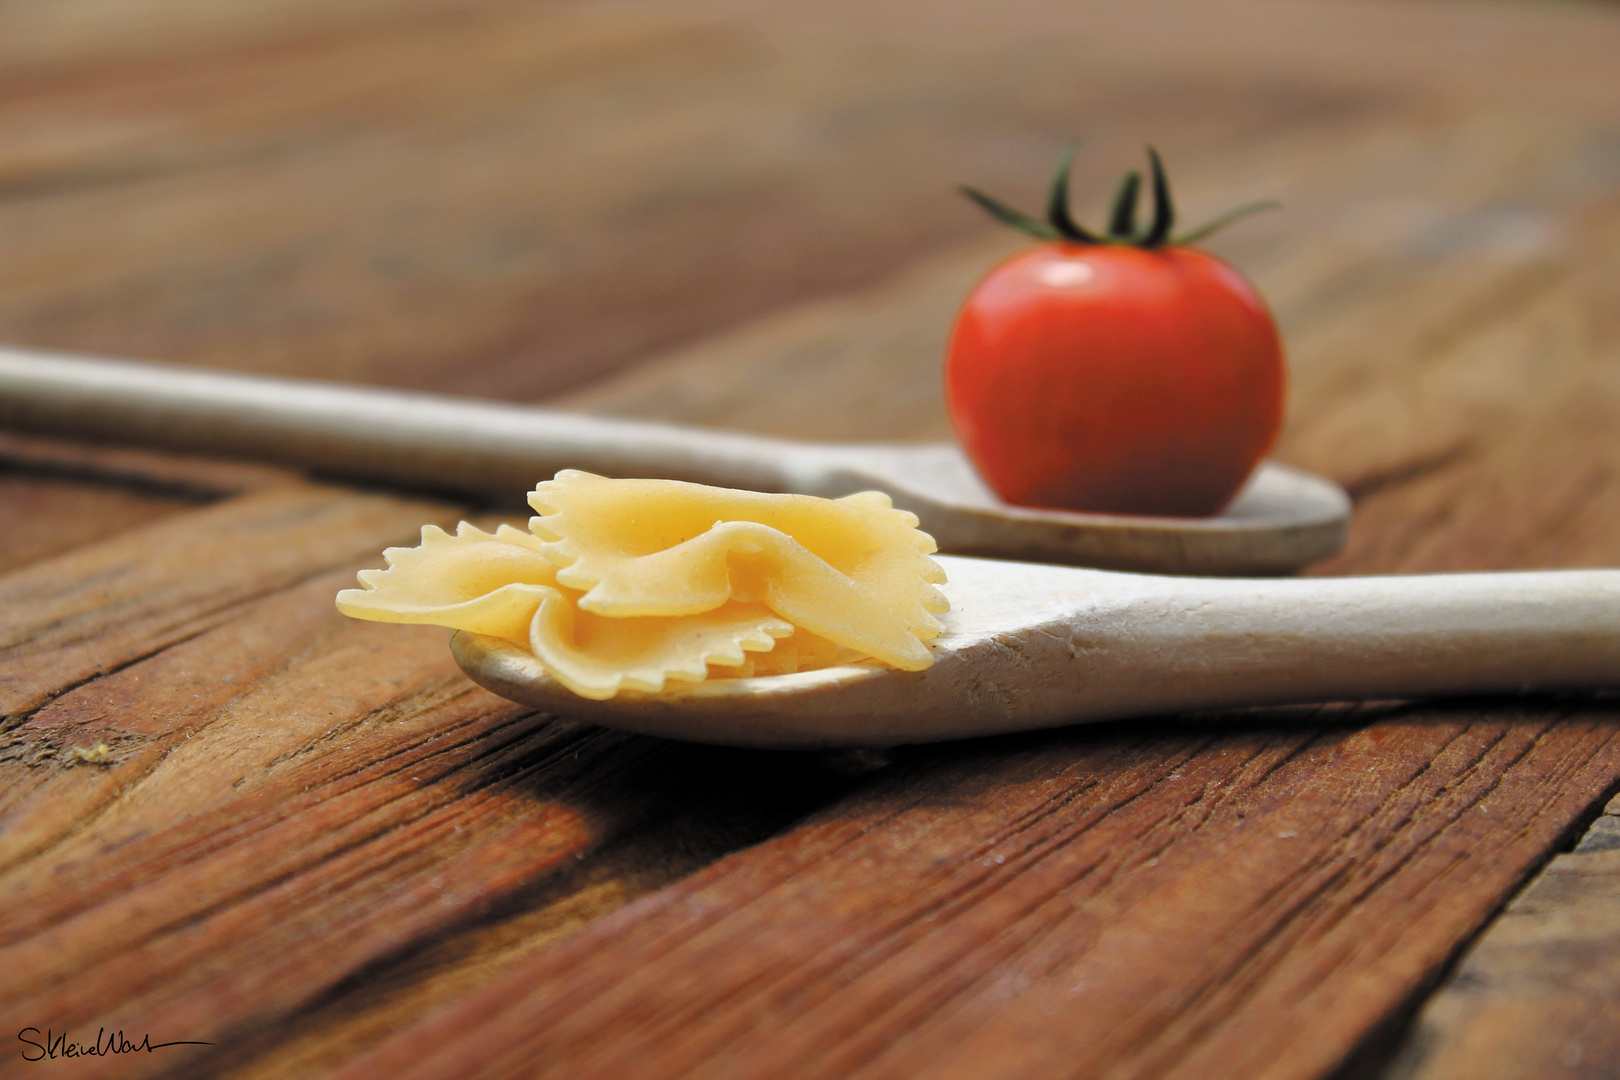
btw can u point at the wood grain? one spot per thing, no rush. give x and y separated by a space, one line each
1192 903
60 495
230 815
95 609
1539 994
53 516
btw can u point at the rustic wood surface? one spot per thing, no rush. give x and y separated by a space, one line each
1551 962
228 815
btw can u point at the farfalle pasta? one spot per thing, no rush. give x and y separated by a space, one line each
627 584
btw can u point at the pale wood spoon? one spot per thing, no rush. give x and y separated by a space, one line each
1283 520
1029 646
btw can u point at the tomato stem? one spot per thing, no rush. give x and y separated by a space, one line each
1008 216
1164 212
1192 236
1122 222
1060 223
1057 203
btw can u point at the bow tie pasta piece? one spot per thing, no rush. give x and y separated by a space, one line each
854 571
488 584
627 584
597 656
803 651
502 586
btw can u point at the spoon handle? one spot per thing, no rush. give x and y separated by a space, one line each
427 440
1170 644
1028 646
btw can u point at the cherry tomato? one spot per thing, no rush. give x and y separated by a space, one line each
1122 377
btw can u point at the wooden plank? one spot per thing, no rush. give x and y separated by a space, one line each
50 516
1538 995
699 804
60 495
188 478
95 609
1167 903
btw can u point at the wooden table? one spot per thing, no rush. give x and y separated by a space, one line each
231 816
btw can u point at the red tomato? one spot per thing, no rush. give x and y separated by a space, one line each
1107 377
1116 380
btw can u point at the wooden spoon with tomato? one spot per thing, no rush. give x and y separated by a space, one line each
1121 372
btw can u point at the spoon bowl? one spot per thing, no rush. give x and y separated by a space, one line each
1030 646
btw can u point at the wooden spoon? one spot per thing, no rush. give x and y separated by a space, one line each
1030 646
1283 520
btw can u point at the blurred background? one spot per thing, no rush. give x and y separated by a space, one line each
711 209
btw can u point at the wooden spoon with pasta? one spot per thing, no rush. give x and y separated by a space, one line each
1028 646
1283 520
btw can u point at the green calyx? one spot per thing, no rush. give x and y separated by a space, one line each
1122 225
